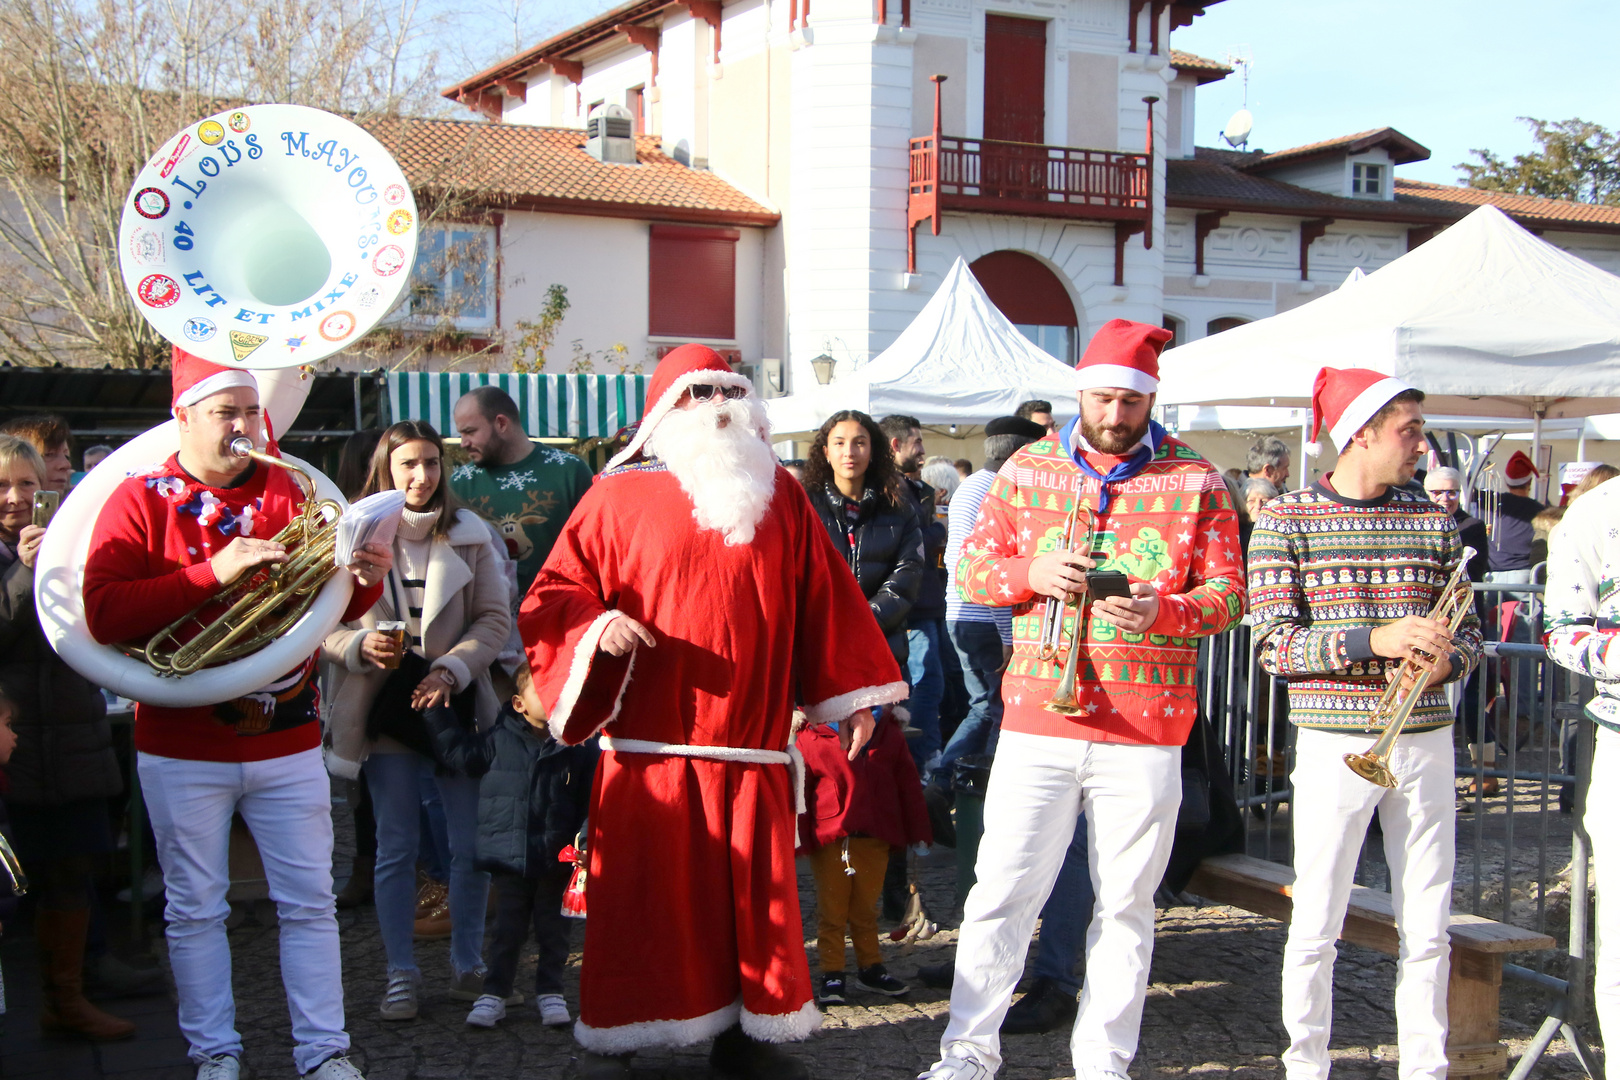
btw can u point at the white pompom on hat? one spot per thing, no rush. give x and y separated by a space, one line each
1344 399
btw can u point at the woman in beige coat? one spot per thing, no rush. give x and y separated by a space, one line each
448 585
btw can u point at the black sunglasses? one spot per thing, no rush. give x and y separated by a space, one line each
704 391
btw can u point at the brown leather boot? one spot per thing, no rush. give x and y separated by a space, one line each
60 937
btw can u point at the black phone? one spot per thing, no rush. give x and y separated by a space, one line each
1101 584
45 504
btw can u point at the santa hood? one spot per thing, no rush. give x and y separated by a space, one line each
678 370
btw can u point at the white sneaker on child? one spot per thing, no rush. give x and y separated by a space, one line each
487 1011
553 1010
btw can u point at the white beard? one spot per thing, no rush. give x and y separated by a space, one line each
728 472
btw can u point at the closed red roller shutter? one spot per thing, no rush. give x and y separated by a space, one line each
692 291
1024 289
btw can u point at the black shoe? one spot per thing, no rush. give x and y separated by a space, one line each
1045 1008
604 1066
878 980
738 1056
832 989
938 976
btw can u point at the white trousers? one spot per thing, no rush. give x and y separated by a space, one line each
1038 787
287 804
1603 826
1332 810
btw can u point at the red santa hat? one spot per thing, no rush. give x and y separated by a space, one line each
1123 354
678 370
1520 469
195 378
1344 399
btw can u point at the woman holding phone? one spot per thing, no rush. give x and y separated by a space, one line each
448 587
63 770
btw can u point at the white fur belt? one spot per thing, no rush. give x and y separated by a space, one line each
789 757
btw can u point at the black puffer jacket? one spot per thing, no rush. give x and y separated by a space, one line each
64 743
533 799
887 556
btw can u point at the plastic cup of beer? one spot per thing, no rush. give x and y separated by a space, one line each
395 631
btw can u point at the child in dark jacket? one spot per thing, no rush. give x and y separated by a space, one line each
858 811
532 802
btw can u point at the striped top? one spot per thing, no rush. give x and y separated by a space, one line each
413 546
1324 572
963 515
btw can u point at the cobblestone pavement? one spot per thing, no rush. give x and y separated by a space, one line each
1212 1011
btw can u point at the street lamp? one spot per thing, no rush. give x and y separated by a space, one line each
823 365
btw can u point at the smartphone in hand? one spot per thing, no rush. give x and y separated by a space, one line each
45 504
1101 584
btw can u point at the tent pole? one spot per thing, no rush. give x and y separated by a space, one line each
1541 487
1580 442
1304 458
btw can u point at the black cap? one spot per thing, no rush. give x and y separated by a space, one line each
1015 425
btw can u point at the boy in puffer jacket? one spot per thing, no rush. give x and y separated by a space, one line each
858 811
531 804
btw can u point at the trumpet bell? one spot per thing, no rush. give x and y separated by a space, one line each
1370 767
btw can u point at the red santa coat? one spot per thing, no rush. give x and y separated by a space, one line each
694 911
148 566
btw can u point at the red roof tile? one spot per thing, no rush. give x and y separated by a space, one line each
541 168
1401 149
1528 209
1206 70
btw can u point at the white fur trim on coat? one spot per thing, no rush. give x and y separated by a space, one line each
844 705
580 668
782 1027
663 405
628 1038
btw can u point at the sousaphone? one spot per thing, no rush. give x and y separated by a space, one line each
265 237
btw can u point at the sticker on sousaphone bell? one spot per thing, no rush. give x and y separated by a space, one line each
242 344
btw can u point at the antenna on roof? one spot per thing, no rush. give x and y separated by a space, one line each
1236 134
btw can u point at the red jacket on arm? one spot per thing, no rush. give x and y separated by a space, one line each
148 566
878 794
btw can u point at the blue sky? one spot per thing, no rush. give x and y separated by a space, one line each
1452 74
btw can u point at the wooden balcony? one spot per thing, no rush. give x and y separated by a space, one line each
984 176
981 176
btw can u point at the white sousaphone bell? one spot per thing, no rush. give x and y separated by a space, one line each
265 237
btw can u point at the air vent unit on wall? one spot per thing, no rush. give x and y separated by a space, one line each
610 134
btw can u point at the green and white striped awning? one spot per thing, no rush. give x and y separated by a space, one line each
552 406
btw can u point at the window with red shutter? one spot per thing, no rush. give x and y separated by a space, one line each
692 282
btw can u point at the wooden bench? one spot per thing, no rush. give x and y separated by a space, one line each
1477 948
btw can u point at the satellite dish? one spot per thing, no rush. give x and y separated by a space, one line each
1238 129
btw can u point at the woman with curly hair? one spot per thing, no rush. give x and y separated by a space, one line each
857 490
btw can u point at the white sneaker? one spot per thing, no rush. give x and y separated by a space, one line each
954 1068
487 1011
335 1068
220 1067
399 1000
553 1010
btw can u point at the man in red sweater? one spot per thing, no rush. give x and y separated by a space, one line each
1164 518
165 542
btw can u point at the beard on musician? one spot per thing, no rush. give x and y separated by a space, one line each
1114 421
719 451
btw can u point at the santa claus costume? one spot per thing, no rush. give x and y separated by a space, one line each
258 755
694 911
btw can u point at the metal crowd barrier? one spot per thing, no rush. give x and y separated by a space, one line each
1522 855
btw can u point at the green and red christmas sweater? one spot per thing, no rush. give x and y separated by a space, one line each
1171 524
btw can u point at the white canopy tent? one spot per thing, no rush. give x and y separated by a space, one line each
1486 318
959 362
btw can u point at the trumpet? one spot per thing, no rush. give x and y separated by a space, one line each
1074 540
267 603
1394 708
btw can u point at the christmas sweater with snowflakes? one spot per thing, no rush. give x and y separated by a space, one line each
148 566
528 501
1325 571
1583 596
1171 525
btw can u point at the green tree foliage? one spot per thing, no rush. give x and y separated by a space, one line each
1577 160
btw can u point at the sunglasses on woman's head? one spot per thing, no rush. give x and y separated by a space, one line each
704 391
